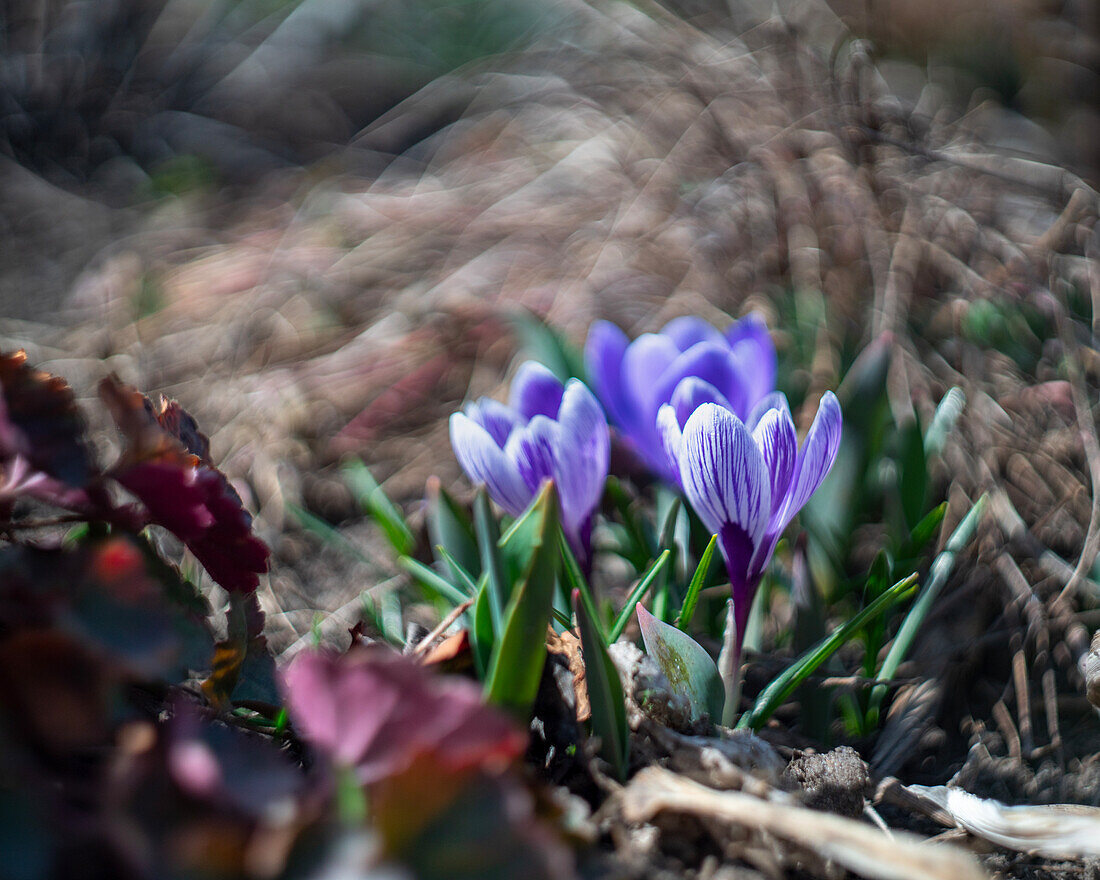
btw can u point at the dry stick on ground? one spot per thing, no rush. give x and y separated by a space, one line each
847 842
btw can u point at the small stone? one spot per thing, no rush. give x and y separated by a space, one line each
835 782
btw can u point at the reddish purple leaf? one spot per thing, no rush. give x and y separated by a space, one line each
182 492
378 711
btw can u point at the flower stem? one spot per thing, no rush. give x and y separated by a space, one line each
729 667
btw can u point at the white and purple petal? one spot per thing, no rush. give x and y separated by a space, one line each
535 391
494 417
581 456
671 435
723 473
778 442
693 392
486 463
772 400
816 457
531 450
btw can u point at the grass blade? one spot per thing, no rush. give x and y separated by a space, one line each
488 540
636 596
941 569
373 500
519 653
576 581
783 685
687 610
432 581
605 692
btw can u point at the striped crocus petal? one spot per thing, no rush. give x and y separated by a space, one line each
494 417
817 455
775 435
582 454
535 391
672 436
726 480
486 463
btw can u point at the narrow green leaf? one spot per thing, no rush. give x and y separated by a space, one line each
941 569
924 531
605 692
784 684
373 500
687 610
575 581
483 633
384 613
326 533
519 653
488 539
462 578
450 526
913 478
432 581
636 596
685 663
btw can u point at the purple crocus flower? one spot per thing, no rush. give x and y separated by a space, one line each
688 363
747 479
548 431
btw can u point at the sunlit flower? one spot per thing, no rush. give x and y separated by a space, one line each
688 363
547 431
747 480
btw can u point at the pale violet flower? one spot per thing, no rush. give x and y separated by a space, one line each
747 479
547 431
688 363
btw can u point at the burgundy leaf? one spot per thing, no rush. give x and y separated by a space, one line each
39 421
182 492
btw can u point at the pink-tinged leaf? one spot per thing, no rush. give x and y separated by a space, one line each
377 711
181 491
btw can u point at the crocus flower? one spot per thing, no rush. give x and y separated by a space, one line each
747 480
547 431
689 362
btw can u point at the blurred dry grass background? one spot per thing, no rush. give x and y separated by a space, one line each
335 278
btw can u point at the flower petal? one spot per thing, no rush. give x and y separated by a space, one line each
535 391
712 363
532 449
816 457
582 456
646 358
754 352
773 400
668 429
603 359
494 417
485 462
688 330
778 442
693 392
723 472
